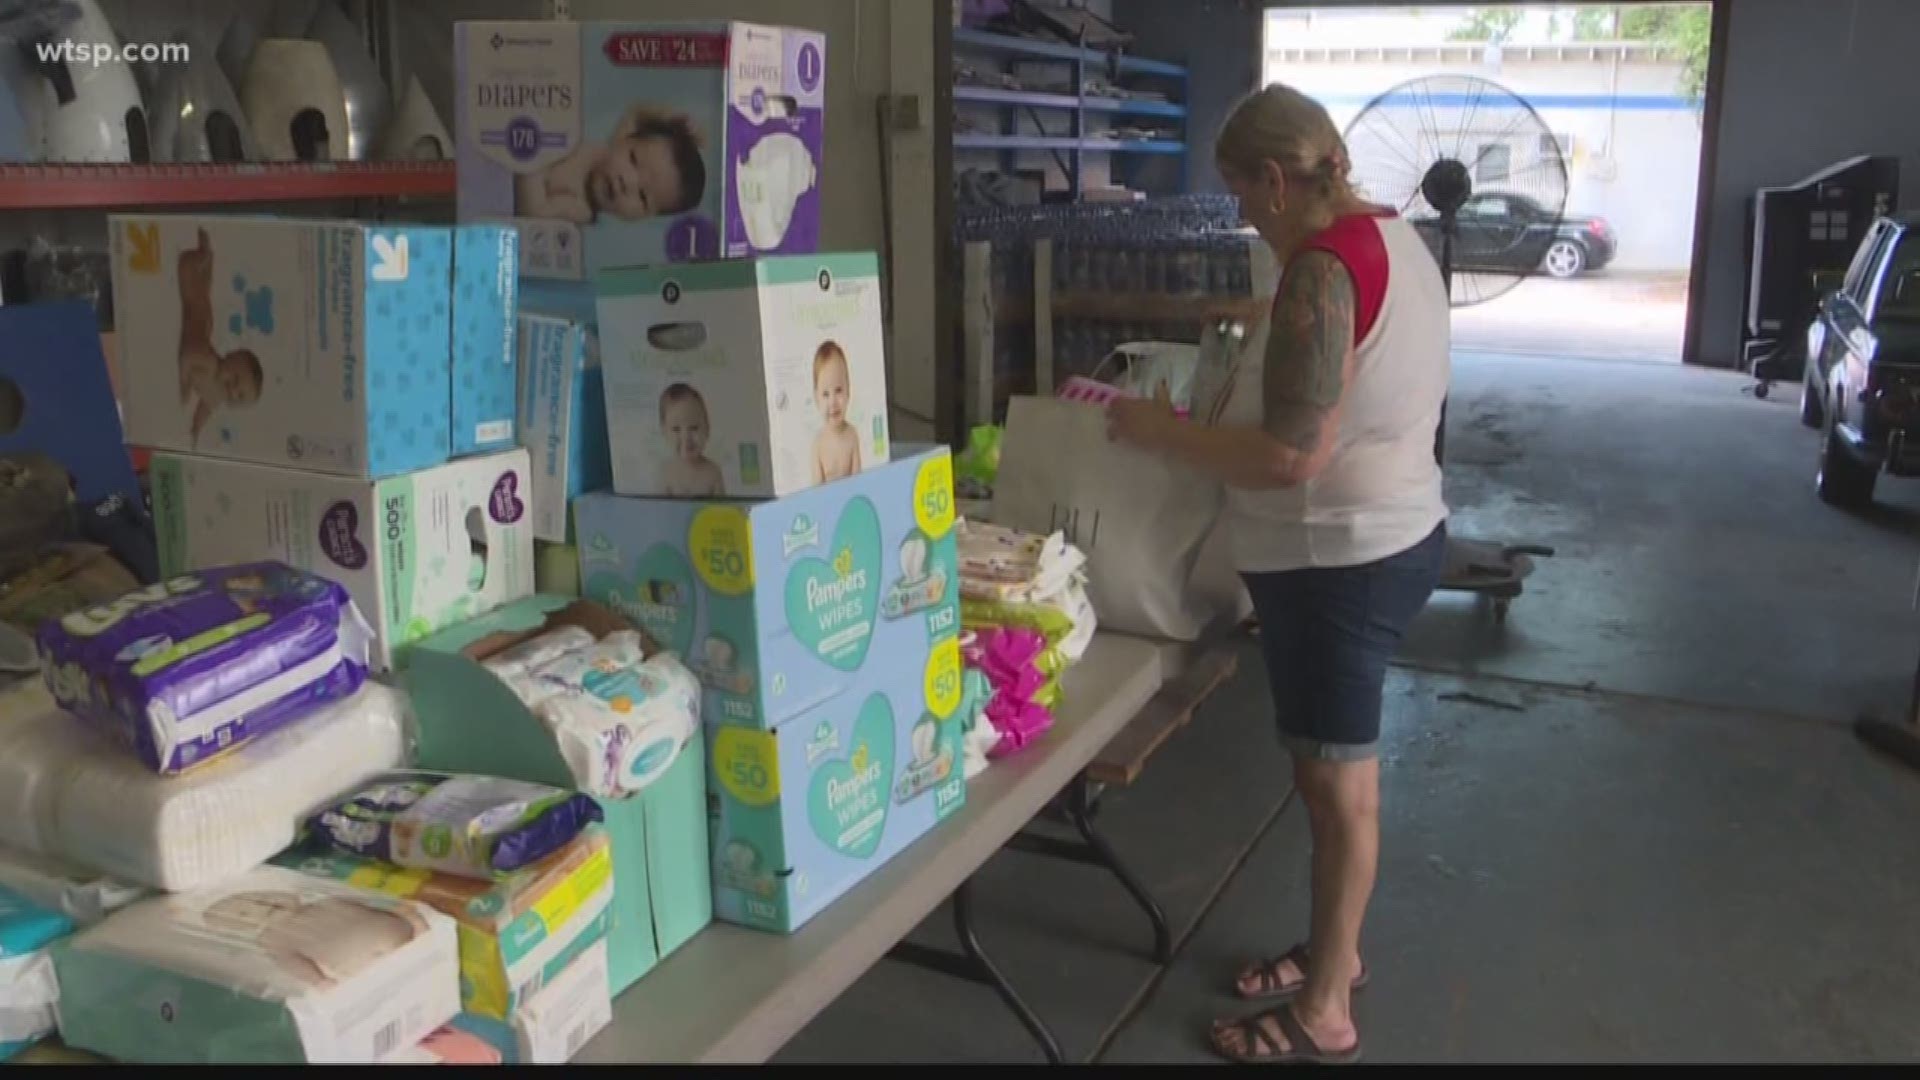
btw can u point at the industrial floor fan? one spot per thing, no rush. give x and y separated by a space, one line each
1421 148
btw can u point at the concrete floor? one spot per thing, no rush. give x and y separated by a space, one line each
1646 835
1609 315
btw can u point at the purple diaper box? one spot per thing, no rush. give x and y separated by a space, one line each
622 144
198 664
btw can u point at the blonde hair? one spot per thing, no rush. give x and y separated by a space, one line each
1284 126
827 353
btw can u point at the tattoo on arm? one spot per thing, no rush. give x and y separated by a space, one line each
1306 361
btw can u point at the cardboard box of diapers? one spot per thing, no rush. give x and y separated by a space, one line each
417 552
618 143
337 346
563 402
744 379
471 720
784 605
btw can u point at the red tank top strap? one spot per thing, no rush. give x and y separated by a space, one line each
1355 240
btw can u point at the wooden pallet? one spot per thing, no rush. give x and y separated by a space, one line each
1125 756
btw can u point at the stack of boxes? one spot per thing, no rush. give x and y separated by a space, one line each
295 383
393 407
665 179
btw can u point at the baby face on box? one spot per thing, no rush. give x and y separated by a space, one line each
686 426
651 162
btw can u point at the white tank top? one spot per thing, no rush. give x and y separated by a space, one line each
1379 493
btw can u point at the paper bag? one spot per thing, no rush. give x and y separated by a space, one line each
1148 525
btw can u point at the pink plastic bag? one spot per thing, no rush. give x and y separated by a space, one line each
1008 657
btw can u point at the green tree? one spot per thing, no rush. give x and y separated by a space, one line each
1596 23
1687 29
1486 24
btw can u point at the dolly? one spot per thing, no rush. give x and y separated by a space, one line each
1496 571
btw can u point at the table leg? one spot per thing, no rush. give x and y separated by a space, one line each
1080 808
975 965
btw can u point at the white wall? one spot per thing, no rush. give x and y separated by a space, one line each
1634 162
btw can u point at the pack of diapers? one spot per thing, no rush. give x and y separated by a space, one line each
73 891
448 1046
619 719
555 1022
473 826
269 966
66 792
517 932
28 990
194 666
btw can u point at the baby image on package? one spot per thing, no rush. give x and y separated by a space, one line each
613 143
743 379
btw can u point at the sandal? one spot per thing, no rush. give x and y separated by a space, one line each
1268 977
1258 1047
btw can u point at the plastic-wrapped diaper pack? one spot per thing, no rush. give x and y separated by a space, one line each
76 892
472 826
66 792
517 932
28 990
447 1046
557 1020
266 967
197 665
619 718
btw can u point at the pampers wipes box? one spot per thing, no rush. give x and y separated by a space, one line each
616 143
417 552
342 347
801 814
783 606
744 378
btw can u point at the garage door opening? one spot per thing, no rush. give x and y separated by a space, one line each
1619 89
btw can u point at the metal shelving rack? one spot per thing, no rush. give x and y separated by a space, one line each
1068 150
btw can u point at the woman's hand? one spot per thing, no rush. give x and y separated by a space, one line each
1142 422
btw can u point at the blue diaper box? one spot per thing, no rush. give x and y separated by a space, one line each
486 260
801 814
785 605
353 348
563 404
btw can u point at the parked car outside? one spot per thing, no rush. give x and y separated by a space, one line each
1862 386
1507 232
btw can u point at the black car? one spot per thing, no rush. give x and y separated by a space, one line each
1508 232
1862 384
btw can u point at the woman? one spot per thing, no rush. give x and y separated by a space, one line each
1326 448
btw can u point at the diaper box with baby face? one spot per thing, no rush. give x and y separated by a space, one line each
334 346
743 378
801 814
417 552
783 606
612 143
270 966
471 721
517 932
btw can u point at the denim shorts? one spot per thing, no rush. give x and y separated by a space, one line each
1328 633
